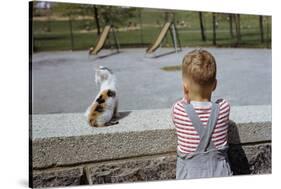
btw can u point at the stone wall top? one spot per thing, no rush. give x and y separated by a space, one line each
66 139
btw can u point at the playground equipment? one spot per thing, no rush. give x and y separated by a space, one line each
171 27
107 35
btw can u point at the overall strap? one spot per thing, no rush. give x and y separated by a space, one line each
196 123
206 140
204 133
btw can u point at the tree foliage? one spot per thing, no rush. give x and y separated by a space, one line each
106 14
116 15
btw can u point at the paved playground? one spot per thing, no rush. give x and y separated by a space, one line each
63 82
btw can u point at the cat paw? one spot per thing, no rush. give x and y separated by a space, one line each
111 123
116 116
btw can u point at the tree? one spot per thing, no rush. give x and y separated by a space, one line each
214 29
268 31
237 28
104 14
261 28
202 26
69 10
116 15
141 28
97 19
92 11
230 16
43 9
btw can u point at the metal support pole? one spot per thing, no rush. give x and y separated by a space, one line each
174 36
178 37
115 40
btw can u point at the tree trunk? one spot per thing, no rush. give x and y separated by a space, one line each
268 39
48 20
231 25
214 29
71 32
202 27
97 19
261 28
166 16
141 29
237 28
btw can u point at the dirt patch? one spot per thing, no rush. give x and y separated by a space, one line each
171 68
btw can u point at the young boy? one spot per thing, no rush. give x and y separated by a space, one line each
201 125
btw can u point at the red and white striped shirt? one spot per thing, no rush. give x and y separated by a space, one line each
187 136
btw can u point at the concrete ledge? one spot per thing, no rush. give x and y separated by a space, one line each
149 168
66 139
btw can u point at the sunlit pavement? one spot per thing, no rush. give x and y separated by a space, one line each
63 81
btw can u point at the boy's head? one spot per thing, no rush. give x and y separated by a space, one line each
199 72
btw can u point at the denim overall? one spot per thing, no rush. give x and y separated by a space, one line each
206 161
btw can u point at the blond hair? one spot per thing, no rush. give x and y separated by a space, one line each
200 66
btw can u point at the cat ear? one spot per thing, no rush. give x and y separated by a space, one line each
103 75
97 76
96 70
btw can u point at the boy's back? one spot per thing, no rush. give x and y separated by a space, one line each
188 138
201 125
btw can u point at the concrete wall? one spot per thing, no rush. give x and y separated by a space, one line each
142 147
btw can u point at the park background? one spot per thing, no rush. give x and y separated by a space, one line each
66 26
63 71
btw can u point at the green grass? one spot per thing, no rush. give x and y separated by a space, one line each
55 35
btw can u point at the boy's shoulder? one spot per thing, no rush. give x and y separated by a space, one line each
223 102
178 109
180 102
183 101
178 106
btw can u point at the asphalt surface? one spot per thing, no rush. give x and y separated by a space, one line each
63 81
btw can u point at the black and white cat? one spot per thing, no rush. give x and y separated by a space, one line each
105 105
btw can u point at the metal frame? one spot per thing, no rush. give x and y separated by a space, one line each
175 40
111 38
